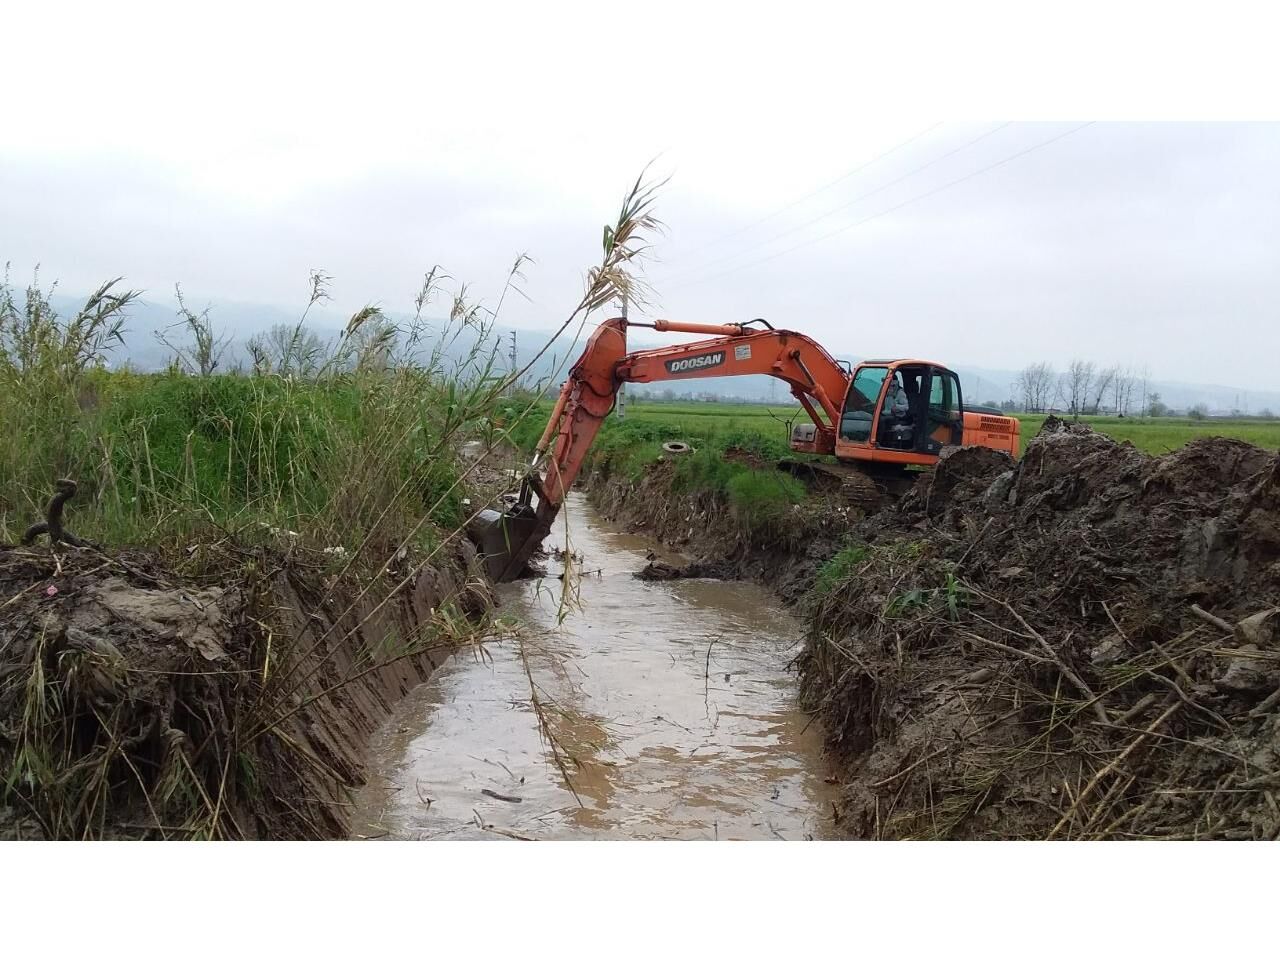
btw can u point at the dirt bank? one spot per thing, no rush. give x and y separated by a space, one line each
704 525
1084 645
141 700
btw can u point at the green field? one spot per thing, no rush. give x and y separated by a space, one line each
1153 435
631 443
1162 435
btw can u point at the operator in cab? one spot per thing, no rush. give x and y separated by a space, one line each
895 416
896 401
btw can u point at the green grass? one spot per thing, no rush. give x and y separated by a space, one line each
838 568
159 456
1162 435
352 453
761 499
713 420
1153 435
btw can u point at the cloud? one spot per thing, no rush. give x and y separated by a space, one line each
235 159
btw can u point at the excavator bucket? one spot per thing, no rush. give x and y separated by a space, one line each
505 539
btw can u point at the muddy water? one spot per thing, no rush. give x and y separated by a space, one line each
669 706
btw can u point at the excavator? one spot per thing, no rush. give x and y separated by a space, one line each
880 420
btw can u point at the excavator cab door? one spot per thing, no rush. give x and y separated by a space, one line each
944 412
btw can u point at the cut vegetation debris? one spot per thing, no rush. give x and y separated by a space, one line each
138 701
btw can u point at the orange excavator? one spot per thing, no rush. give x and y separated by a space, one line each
879 419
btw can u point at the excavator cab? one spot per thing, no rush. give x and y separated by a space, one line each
900 412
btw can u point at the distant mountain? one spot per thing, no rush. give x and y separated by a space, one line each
992 384
239 322
242 320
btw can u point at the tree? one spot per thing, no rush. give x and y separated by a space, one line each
1123 382
287 349
1155 407
1100 386
1075 384
1034 385
1197 412
1130 383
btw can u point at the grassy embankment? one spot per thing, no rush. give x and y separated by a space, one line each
337 448
759 498
315 504
300 481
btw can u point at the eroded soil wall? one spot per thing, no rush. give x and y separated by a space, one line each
138 702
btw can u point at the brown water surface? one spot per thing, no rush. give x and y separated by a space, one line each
670 702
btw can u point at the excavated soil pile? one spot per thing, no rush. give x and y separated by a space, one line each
1082 645
137 702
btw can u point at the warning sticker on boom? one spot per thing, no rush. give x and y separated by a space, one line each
742 352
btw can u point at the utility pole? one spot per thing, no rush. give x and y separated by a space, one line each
621 407
514 364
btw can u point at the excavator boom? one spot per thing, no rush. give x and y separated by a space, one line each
508 539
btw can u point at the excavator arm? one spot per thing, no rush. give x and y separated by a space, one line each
508 539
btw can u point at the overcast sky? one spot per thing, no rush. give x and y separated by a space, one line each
236 154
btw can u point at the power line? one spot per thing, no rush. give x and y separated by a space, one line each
845 206
890 210
813 193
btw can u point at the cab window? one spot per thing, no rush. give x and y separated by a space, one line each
944 397
860 405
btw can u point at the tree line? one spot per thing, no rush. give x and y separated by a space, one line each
1086 388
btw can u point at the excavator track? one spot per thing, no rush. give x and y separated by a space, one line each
858 487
